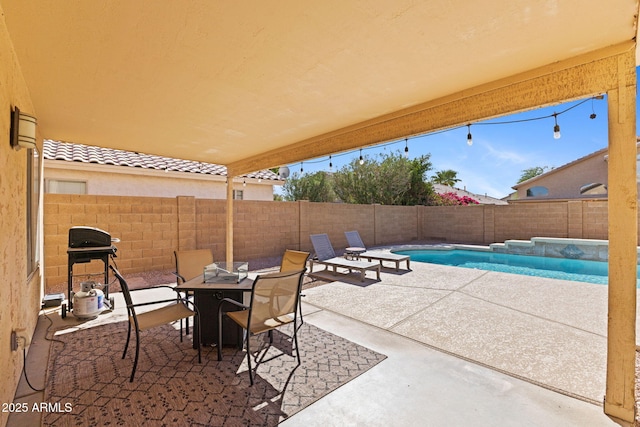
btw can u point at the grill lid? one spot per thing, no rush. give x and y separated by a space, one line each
88 237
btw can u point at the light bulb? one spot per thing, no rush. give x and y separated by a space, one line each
469 137
361 159
406 148
556 128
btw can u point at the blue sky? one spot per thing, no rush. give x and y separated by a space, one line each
500 152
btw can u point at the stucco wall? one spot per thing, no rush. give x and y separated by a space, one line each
118 180
20 295
565 182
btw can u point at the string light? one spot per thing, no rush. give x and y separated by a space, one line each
556 128
330 164
244 182
406 147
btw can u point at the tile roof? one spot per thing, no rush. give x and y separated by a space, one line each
55 150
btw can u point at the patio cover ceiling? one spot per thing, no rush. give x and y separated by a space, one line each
254 84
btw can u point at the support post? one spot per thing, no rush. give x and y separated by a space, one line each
623 232
229 219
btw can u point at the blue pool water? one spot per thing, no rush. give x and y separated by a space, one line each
555 268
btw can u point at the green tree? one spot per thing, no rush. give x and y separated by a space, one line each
446 177
532 172
391 180
315 187
420 191
356 183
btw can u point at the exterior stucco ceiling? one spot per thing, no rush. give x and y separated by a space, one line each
222 81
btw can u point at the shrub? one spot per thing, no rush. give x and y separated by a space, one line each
452 199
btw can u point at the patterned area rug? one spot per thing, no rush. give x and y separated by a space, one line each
89 381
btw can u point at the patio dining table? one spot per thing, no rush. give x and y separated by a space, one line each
207 297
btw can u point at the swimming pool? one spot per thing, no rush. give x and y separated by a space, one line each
555 268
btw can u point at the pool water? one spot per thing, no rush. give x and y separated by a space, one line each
554 268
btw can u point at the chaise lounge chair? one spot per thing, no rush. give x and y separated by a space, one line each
324 254
354 240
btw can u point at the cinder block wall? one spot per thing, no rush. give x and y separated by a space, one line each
151 228
146 226
453 223
526 220
210 223
336 218
264 229
393 224
595 220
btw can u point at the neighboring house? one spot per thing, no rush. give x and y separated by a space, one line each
482 199
584 178
82 169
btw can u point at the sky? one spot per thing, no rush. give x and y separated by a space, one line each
500 152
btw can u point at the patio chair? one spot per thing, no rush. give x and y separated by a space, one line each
354 240
174 309
190 264
325 255
274 303
293 261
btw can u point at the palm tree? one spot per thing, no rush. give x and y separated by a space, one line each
446 177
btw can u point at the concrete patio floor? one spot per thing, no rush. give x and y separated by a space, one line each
464 347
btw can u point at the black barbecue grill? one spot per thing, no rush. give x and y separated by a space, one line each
85 245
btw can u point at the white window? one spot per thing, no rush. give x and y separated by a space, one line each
238 194
59 186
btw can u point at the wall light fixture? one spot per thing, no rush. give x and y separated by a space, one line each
23 130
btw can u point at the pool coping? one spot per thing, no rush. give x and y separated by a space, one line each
550 247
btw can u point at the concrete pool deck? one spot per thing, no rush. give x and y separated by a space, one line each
548 332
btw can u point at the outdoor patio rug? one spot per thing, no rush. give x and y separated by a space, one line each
89 381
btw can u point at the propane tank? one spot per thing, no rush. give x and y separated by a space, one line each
89 302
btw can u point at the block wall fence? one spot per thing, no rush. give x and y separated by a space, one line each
150 229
